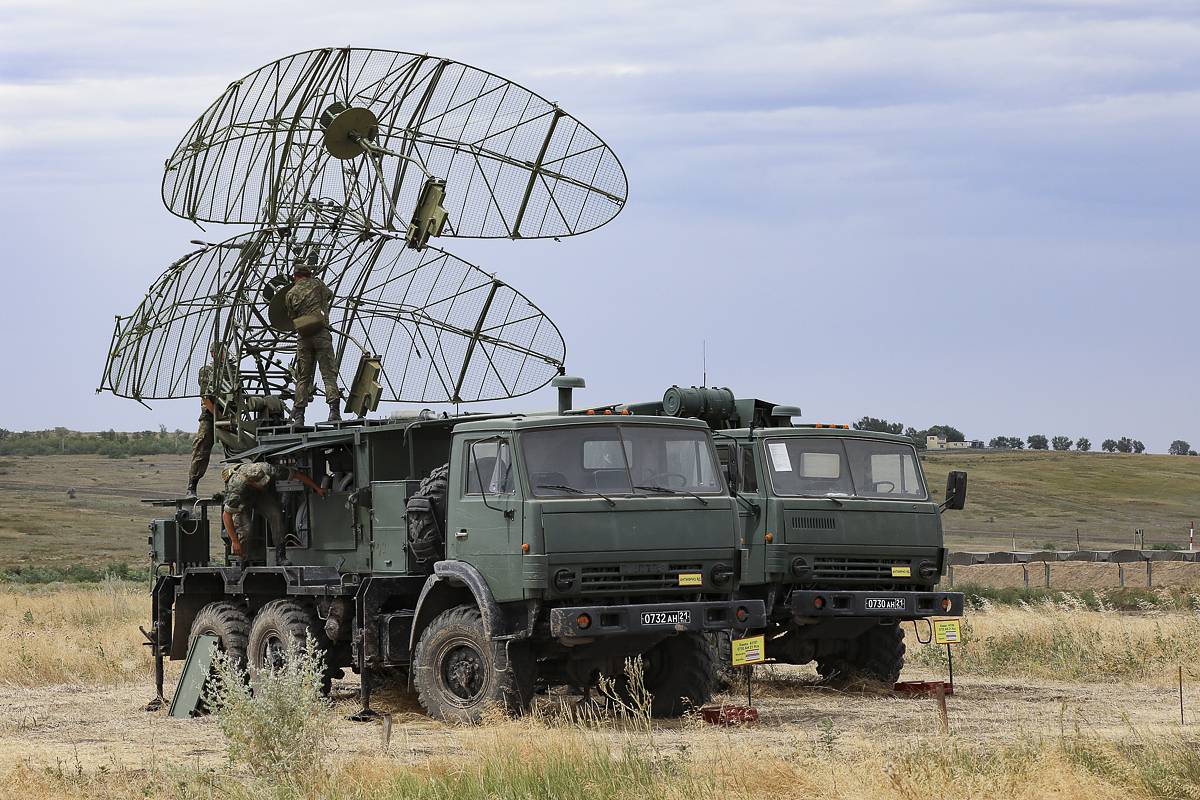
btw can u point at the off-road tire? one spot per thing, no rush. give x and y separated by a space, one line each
227 621
279 622
876 655
680 673
725 675
455 670
427 531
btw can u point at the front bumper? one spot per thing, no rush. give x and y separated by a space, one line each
865 603
656 618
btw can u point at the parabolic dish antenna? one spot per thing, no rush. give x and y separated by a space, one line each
370 130
445 330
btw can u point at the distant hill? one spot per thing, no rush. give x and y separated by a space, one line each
1044 496
116 444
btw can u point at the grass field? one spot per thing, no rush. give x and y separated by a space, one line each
104 523
1042 497
1052 700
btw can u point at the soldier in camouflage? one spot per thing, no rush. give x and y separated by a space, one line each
213 376
307 296
250 487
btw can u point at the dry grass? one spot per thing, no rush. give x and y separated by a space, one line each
1062 640
811 742
73 635
529 760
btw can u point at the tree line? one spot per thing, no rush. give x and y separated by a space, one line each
114 444
1036 441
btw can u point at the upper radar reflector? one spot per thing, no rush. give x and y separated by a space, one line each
365 129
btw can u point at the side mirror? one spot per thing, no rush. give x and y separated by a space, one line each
731 471
956 491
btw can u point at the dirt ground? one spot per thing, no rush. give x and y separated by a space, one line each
90 728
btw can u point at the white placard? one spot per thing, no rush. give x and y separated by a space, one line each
779 456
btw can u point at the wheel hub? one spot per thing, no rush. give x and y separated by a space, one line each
462 672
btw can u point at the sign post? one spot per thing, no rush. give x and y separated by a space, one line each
1192 536
746 653
948 632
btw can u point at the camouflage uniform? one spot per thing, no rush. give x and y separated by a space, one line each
202 444
309 295
248 487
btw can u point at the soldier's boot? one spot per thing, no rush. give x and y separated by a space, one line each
297 415
191 490
335 412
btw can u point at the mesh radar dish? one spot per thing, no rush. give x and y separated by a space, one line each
443 329
382 133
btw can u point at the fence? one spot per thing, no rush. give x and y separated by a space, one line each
1076 569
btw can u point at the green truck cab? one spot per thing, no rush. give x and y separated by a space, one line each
844 541
478 557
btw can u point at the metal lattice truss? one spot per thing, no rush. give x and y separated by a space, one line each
446 330
515 165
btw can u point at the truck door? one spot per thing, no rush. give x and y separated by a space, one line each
751 524
485 513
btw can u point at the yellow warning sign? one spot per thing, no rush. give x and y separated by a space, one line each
691 579
751 650
946 631
901 572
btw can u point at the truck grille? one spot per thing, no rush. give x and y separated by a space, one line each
615 578
856 569
809 522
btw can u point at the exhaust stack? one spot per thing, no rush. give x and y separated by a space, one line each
565 385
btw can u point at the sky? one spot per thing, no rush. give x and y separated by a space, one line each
970 213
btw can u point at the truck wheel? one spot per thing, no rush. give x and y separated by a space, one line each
726 675
455 670
680 672
876 655
427 529
229 623
275 625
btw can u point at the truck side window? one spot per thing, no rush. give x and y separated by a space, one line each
489 465
749 476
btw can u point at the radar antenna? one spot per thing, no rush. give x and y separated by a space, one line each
381 131
349 161
446 331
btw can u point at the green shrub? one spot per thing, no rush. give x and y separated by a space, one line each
74 573
277 722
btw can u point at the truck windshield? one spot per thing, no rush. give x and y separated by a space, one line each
829 467
619 459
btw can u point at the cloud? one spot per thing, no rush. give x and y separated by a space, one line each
871 189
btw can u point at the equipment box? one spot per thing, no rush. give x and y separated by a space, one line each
182 542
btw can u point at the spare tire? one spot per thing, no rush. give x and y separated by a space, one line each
427 517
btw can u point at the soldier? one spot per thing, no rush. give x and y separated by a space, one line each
202 443
307 303
251 487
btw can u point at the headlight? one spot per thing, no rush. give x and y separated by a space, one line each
799 566
721 574
564 579
928 570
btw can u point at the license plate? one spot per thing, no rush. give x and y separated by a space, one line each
885 603
681 617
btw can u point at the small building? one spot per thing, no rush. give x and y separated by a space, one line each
939 443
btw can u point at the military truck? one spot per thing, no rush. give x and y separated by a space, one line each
478 557
844 540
